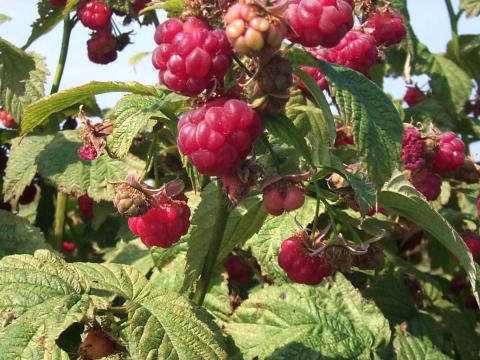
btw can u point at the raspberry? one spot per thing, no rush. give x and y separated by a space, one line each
276 76
413 95
218 136
315 73
102 47
458 284
356 50
473 243
388 28
238 269
58 2
7 120
189 56
140 5
413 146
250 32
300 266
450 155
85 206
94 14
281 197
28 194
428 184
319 22
87 153
344 137
163 225
96 345
69 246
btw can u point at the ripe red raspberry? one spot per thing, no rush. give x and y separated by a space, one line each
315 73
238 269
85 206
189 56
102 47
473 242
413 95
458 284
140 5
218 136
344 137
94 14
283 196
163 225
7 120
450 155
428 184
300 266
28 194
69 246
388 28
96 345
413 147
87 153
319 22
58 2
357 50
250 32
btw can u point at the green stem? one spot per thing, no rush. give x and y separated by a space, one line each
275 159
454 29
67 30
242 65
214 248
317 209
61 205
59 223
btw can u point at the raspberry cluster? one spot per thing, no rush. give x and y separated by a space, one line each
218 136
427 166
190 57
7 120
301 266
162 225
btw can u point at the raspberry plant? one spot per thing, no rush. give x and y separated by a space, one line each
265 200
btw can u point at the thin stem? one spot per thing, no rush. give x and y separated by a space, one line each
454 28
59 222
242 65
317 209
67 30
275 159
211 259
150 157
155 163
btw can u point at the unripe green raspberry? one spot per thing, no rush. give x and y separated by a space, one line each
130 201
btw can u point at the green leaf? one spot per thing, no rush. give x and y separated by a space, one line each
450 84
133 253
399 196
283 128
321 122
203 229
132 113
469 47
39 112
22 78
118 279
18 236
173 7
166 326
48 17
43 296
409 347
73 176
471 7
377 126
21 167
324 322
241 226
137 58
265 245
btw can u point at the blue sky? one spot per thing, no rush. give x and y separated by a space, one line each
429 19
